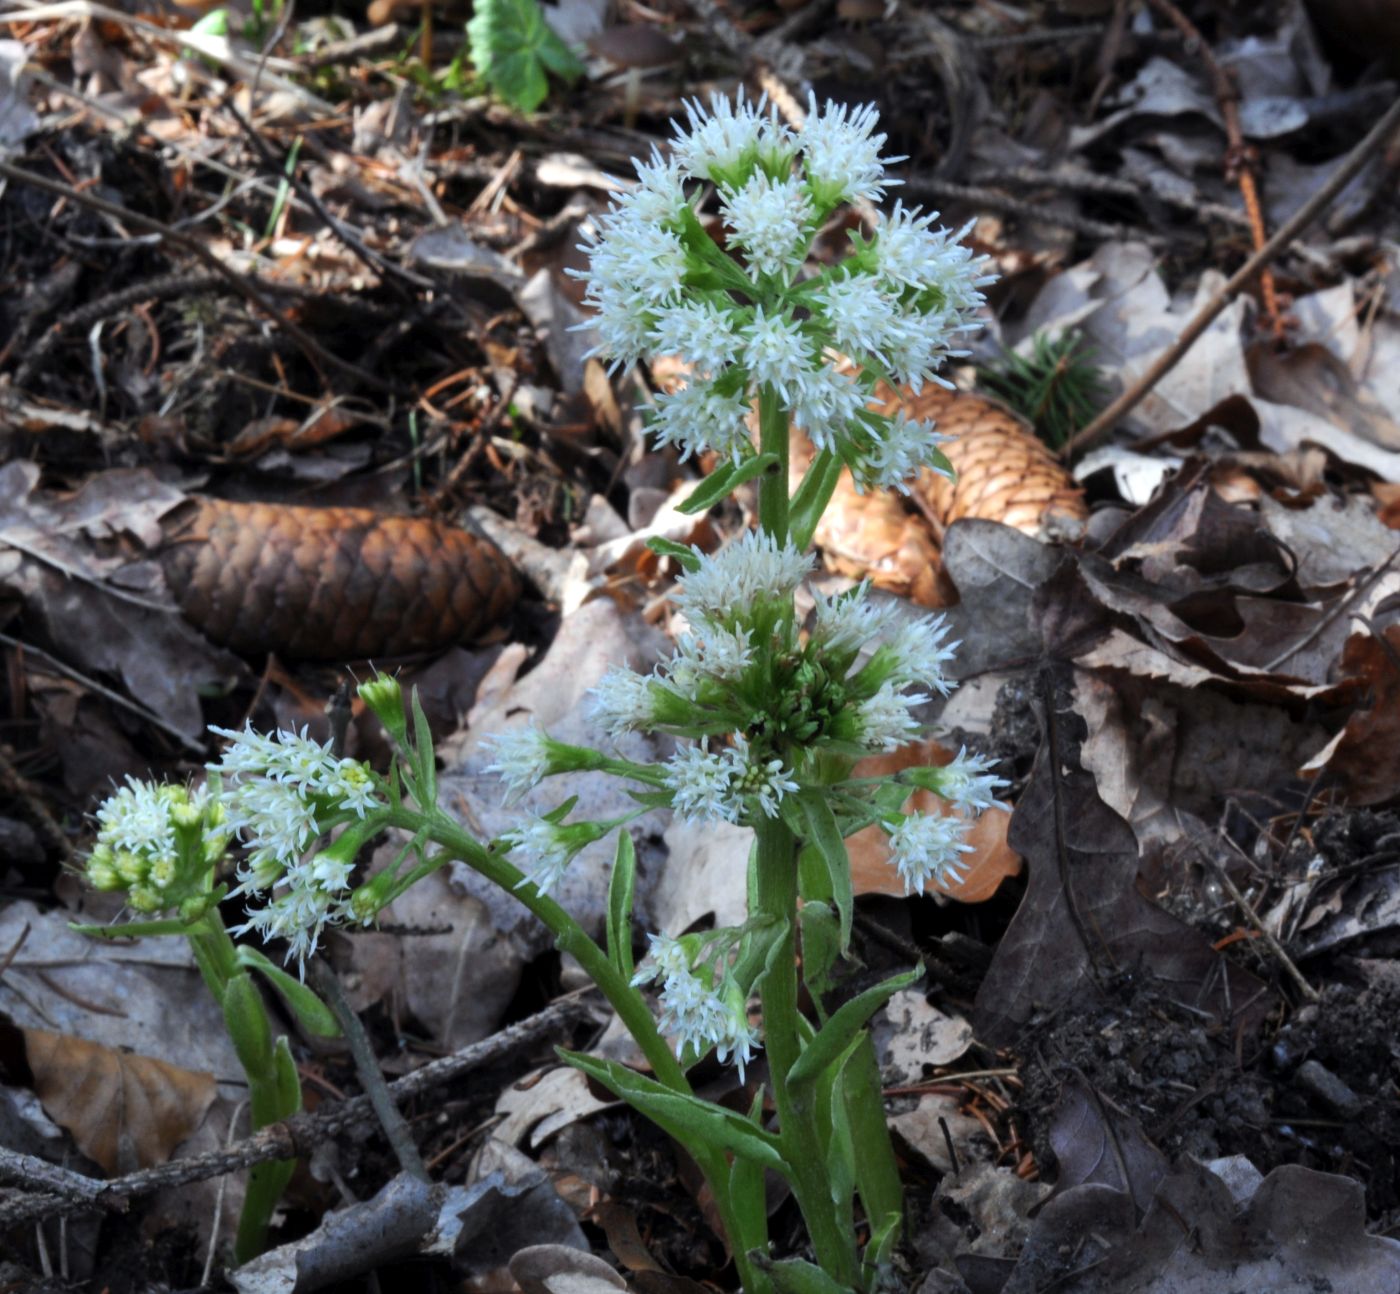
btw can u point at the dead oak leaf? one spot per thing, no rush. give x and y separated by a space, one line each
125 1112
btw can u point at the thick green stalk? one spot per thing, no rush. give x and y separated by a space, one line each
269 1099
571 938
773 488
776 894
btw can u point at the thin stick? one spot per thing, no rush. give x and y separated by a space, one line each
1252 917
1305 215
116 698
298 1136
395 1127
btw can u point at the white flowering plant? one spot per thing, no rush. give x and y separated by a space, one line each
162 846
767 713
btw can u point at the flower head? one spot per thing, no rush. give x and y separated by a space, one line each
753 566
701 783
726 139
841 153
886 721
778 353
699 417
158 842
623 701
772 220
968 783
926 847
546 849
521 758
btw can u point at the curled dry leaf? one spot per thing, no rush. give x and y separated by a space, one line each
992 860
332 583
1005 473
125 1112
1363 760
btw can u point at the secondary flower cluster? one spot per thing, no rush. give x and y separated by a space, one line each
692 1010
755 707
159 843
896 305
282 794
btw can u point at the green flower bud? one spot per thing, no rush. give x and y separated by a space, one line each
384 696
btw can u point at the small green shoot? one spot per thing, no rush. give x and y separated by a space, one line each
1058 387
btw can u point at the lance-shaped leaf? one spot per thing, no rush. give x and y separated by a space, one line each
724 480
620 890
688 1119
824 833
795 1276
812 496
838 1032
315 1016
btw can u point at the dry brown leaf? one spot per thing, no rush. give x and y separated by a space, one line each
992 860
1363 760
125 1112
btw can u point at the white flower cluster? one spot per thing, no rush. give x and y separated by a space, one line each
900 302
726 782
929 847
699 1017
913 655
137 848
281 794
546 848
721 785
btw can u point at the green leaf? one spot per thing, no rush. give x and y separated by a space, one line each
245 1019
287 1079
620 889
724 480
823 832
747 1195
512 45
687 1118
425 758
685 555
821 945
794 1276
840 1149
316 1017
877 1173
836 1035
135 929
812 496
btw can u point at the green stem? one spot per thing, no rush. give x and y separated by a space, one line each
271 1096
776 898
630 1006
773 488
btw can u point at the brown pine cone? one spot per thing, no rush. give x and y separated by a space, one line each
332 583
1004 471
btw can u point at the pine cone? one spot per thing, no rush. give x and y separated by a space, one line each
1004 471
332 583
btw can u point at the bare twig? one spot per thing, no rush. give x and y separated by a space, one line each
1345 172
299 1135
946 190
241 283
352 240
116 698
1251 915
327 983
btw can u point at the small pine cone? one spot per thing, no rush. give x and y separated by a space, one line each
332 583
1004 470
